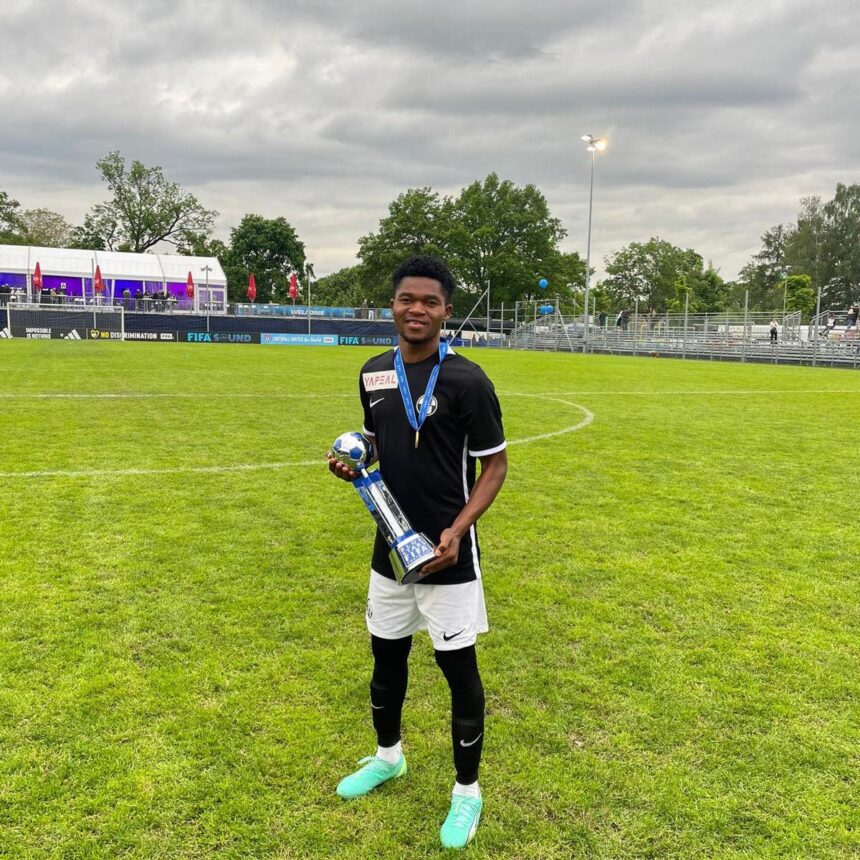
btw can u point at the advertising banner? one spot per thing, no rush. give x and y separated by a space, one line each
281 339
32 332
101 334
219 337
368 340
161 336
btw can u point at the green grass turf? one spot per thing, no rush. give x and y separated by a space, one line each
672 669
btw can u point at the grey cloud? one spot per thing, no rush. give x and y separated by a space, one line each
453 28
719 117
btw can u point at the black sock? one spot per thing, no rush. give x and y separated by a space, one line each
460 668
388 686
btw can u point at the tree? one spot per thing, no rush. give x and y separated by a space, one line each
764 274
824 244
270 249
711 292
799 294
203 246
344 288
10 220
502 234
45 228
657 274
562 270
841 252
492 231
95 234
412 226
805 246
145 209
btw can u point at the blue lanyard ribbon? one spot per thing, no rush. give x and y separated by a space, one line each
406 395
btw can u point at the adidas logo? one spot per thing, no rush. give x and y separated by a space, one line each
72 335
4 332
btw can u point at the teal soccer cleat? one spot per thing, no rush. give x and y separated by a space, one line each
374 773
462 821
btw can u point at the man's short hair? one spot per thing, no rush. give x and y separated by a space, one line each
425 266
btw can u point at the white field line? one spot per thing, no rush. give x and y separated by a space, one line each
703 393
548 394
202 470
159 396
588 417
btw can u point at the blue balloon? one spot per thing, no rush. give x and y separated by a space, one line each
543 283
546 309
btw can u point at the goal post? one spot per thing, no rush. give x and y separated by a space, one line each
46 322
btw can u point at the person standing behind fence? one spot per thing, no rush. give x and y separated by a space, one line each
852 315
774 328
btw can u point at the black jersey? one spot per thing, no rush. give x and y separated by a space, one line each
432 482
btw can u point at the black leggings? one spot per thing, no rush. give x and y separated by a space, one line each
388 690
388 686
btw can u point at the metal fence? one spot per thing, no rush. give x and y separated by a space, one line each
720 336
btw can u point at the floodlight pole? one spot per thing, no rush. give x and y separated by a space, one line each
588 255
206 270
594 144
488 311
815 328
308 271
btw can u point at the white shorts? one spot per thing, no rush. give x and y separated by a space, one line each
453 615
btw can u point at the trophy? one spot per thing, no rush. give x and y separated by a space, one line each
410 550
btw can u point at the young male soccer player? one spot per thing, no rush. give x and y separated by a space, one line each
431 414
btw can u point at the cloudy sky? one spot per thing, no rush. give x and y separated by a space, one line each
720 115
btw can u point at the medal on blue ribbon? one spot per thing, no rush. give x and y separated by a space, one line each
415 422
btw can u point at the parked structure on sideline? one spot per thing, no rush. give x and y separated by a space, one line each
139 281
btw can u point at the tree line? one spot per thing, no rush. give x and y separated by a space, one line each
493 233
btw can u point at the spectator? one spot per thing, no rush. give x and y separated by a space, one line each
831 324
853 313
774 328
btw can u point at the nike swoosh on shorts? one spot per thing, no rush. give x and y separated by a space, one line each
374 402
448 638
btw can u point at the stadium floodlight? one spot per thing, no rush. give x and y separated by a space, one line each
595 144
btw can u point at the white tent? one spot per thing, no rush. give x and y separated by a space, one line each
149 270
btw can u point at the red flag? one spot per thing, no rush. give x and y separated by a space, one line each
98 286
252 288
189 287
294 285
37 277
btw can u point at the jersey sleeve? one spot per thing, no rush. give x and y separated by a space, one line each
368 427
482 415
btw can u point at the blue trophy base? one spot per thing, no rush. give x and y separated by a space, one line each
409 554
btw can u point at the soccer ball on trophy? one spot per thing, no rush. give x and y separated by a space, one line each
354 450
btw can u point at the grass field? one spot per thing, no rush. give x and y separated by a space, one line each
673 590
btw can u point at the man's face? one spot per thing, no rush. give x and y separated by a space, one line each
419 307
